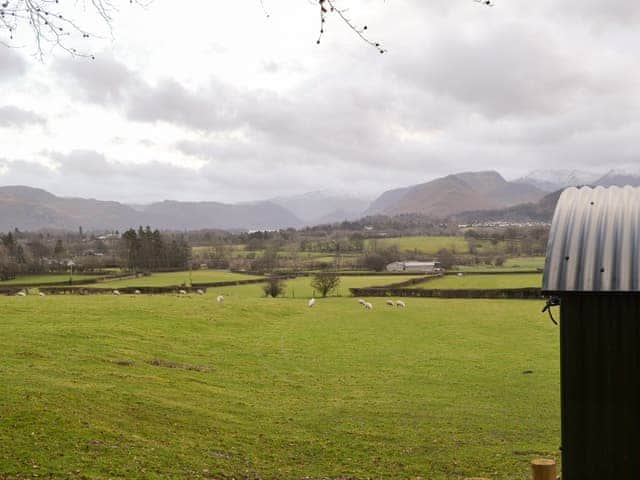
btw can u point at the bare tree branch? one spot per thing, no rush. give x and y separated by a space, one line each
52 24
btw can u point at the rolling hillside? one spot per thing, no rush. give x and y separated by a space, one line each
454 194
29 208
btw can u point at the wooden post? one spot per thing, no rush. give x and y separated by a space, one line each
543 469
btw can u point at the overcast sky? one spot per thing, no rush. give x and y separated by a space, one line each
196 100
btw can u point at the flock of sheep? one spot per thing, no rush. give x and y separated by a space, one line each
220 299
368 305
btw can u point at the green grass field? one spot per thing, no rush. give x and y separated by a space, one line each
45 279
515 280
511 265
176 278
427 245
301 287
182 387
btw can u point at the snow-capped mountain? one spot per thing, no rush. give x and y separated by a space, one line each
620 177
553 180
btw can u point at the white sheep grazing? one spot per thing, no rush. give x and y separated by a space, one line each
400 303
200 292
391 303
21 294
361 302
220 299
116 292
368 306
137 292
182 292
41 294
312 302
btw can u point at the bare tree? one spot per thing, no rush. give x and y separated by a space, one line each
55 23
58 23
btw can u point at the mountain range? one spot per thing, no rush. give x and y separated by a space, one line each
32 209
469 195
453 194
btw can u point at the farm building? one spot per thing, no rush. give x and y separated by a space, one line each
413 267
592 273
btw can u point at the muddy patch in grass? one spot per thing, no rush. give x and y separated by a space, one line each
123 362
161 362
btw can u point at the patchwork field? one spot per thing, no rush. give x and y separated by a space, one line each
182 387
511 264
515 280
427 245
301 287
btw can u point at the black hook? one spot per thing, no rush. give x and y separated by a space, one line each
551 302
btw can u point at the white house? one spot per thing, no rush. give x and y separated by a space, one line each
413 267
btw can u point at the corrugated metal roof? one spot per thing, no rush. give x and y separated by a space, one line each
594 241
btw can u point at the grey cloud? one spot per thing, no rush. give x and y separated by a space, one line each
11 116
207 109
511 71
11 63
523 85
103 80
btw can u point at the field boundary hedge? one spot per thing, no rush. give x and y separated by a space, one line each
503 293
124 290
12 290
86 281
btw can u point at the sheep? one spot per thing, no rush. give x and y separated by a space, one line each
22 293
368 306
361 302
312 302
391 303
461 274
182 292
220 299
200 292
116 292
400 303
41 294
137 292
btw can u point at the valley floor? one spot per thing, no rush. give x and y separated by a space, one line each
183 387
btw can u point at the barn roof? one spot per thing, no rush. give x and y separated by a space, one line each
594 241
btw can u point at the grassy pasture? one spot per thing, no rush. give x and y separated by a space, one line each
181 387
525 262
176 278
515 280
44 279
301 287
511 265
427 245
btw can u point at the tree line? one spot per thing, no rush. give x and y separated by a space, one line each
149 250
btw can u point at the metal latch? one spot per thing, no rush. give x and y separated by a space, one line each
551 302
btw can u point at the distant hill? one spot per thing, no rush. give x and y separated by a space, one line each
200 215
323 207
541 211
454 194
32 209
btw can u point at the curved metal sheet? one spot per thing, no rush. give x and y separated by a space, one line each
594 241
